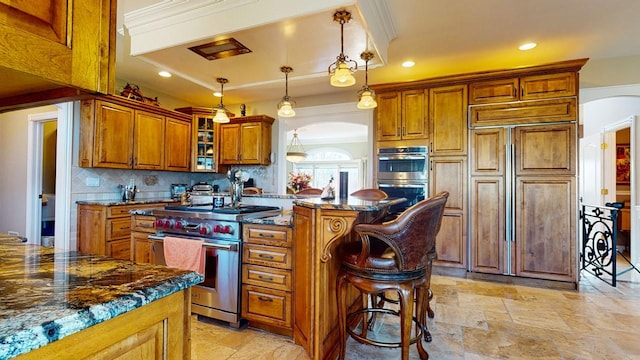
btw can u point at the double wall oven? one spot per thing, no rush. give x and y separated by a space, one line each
403 172
218 296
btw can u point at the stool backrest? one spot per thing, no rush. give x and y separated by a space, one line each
412 235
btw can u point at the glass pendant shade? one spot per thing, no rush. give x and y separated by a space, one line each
285 108
295 151
221 116
367 99
342 76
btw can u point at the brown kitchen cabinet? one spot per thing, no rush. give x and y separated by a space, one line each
523 181
122 134
246 140
401 115
449 173
448 120
53 48
106 229
205 137
534 87
267 277
141 227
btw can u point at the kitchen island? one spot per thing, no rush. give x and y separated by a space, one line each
320 226
65 305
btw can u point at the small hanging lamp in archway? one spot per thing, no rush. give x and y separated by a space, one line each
295 151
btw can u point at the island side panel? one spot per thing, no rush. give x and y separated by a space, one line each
158 330
318 233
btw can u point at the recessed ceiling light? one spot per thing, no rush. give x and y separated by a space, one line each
408 63
527 46
217 94
165 74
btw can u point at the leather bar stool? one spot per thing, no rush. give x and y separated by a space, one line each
392 256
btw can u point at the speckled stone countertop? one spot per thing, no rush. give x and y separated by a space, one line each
47 295
349 203
283 219
115 202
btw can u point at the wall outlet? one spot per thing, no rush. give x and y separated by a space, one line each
13 233
93 181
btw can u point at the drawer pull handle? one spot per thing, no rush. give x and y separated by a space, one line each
265 256
267 278
264 298
145 225
266 235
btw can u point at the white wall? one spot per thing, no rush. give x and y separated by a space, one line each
13 164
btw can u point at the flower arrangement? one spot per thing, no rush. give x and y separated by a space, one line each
298 181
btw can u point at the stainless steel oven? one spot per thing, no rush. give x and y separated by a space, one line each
403 164
412 191
403 172
218 296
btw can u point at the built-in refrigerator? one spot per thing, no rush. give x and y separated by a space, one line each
523 200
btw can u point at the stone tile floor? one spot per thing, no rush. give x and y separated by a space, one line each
479 320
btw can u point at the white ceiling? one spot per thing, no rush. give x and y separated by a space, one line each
442 37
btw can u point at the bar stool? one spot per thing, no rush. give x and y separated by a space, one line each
392 256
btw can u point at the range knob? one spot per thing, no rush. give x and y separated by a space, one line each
180 224
159 223
217 229
168 223
204 229
227 229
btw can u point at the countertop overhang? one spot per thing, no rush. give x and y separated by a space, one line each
46 295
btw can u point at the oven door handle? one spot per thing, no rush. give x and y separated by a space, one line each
227 247
412 186
402 157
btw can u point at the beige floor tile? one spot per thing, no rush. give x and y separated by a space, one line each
477 320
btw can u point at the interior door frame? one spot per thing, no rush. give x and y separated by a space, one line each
610 181
64 146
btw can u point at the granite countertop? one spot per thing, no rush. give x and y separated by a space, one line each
114 202
350 203
47 295
284 219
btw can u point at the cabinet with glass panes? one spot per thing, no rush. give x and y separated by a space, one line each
205 139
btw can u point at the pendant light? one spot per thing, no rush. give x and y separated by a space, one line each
340 72
295 151
221 112
285 107
366 96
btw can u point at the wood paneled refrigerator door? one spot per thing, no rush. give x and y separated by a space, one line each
523 201
488 207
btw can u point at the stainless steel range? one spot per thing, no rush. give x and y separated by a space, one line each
218 296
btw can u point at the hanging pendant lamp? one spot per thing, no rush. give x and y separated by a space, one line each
285 106
295 151
366 96
340 72
220 110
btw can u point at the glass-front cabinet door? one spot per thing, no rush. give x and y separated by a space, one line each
205 149
206 145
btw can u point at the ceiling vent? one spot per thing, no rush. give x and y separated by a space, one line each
220 49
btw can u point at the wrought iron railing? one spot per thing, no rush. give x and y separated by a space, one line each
599 252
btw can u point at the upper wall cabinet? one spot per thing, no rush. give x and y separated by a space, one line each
448 120
523 88
53 48
401 115
205 137
121 134
246 140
